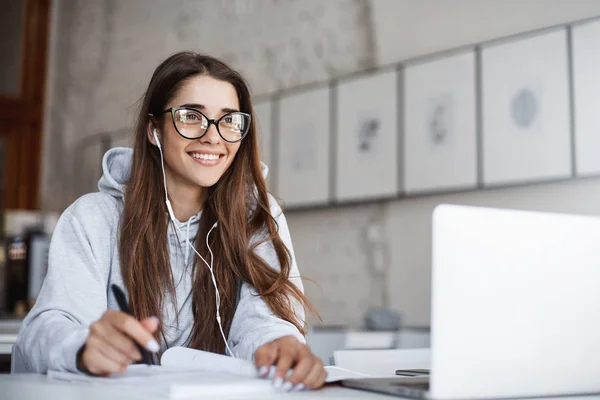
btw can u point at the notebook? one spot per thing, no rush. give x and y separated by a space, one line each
188 373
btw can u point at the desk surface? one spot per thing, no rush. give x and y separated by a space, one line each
36 387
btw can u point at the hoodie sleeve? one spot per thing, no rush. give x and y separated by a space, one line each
254 323
72 297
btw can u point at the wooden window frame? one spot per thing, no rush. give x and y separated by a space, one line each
23 136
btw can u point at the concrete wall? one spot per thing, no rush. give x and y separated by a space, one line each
104 52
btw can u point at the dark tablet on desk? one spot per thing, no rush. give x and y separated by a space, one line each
412 372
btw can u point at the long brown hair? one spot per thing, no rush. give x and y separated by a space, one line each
238 201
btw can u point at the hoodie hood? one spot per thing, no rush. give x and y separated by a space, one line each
116 166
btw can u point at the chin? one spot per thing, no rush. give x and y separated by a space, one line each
207 181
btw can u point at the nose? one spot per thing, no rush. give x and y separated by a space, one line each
211 136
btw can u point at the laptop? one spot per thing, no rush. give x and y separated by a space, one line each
515 307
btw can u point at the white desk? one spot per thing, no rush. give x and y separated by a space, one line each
371 362
35 387
375 363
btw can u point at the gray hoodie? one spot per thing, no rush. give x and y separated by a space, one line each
84 262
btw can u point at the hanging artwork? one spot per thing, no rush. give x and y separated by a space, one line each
262 118
439 124
303 175
526 132
586 97
366 138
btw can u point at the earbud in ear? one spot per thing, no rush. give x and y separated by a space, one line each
156 137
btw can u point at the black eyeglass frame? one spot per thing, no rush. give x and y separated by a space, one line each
214 122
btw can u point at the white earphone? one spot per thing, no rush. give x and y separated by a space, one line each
210 266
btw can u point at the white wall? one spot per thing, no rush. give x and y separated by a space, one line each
105 51
405 29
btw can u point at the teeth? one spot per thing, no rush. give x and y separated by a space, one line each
205 156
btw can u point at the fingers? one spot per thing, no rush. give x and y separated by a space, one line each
150 324
303 366
285 361
316 377
111 346
264 357
287 353
114 340
132 328
98 363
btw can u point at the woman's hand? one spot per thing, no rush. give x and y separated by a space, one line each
110 345
289 353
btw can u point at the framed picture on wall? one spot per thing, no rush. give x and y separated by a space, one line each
366 137
303 148
263 116
526 132
439 124
586 95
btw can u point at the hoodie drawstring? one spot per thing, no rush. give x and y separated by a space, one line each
187 239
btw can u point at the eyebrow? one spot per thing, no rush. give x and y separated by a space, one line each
201 107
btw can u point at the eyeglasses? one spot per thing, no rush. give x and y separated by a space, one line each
191 124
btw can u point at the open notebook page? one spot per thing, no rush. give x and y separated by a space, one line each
186 358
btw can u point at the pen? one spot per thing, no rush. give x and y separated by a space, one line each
120 296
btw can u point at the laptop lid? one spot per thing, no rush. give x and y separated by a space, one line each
515 303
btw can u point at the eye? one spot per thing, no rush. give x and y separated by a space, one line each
189 117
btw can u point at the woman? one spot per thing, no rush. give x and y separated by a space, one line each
231 251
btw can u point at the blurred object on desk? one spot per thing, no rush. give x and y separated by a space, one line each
9 328
382 319
324 342
15 276
25 252
2 225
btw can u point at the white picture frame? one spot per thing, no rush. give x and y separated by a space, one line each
439 124
585 41
526 135
366 137
263 117
303 148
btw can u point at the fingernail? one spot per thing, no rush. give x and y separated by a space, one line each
277 384
272 371
263 370
155 319
286 386
298 387
153 346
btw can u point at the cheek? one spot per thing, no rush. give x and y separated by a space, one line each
232 150
174 142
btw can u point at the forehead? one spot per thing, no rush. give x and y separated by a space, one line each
212 93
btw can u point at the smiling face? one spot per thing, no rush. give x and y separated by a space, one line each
199 163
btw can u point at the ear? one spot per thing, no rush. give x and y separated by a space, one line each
149 131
